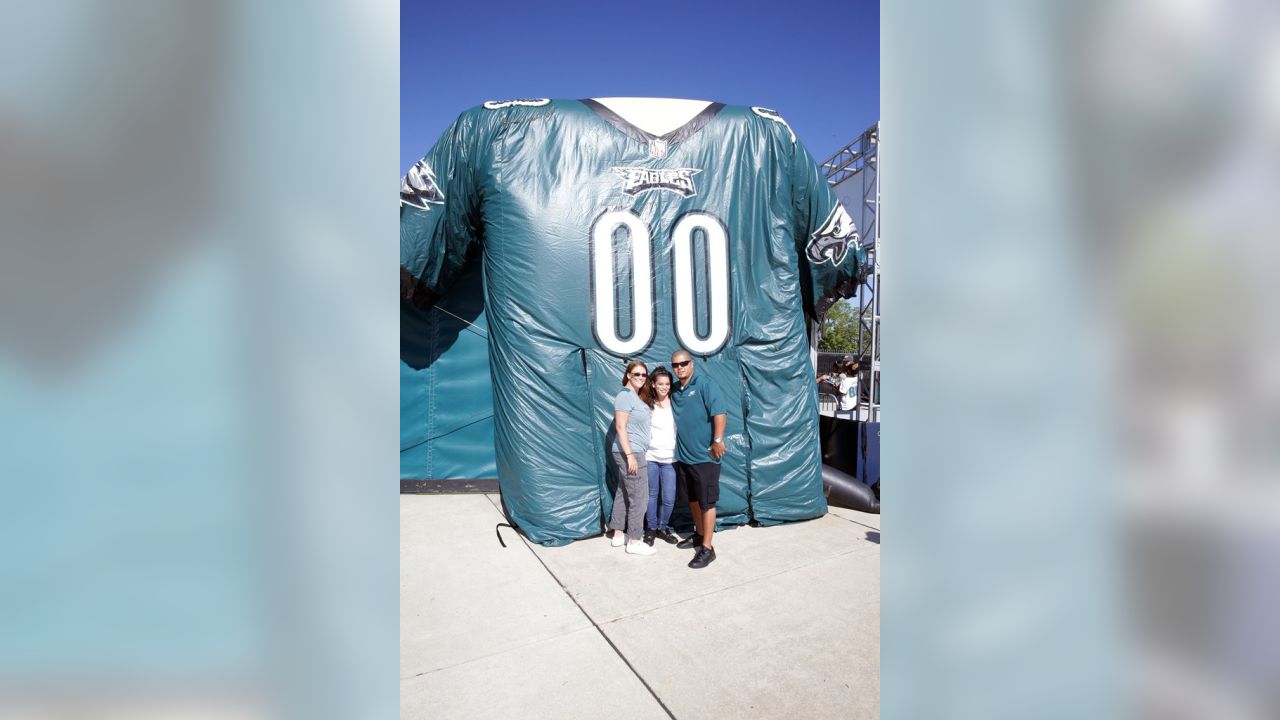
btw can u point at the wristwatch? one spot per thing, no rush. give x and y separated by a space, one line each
716 440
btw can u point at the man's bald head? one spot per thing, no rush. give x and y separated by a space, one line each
682 365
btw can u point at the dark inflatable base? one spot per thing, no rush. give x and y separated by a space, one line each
427 487
844 490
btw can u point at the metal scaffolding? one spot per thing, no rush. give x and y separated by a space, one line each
853 173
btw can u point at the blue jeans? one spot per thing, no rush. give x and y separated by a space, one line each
663 474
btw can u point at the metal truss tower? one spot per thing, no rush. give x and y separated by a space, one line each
853 173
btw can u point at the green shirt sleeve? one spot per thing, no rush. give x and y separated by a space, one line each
714 400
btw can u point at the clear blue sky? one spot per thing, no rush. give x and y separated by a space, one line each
818 63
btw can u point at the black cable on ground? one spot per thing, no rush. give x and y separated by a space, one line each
596 625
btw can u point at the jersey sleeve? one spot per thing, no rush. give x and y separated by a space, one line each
440 223
827 237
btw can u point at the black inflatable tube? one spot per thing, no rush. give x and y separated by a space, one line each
844 490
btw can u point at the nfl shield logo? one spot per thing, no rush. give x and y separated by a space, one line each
658 148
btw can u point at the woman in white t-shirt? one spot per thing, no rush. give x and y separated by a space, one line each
661 458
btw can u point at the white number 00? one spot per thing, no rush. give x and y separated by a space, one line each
604 276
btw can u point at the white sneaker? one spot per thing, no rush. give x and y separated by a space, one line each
619 538
640 548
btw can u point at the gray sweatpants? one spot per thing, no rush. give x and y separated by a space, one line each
632 498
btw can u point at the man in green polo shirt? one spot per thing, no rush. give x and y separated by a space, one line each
701 414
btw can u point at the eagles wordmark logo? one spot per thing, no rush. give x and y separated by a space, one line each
636 180
419 189
832 240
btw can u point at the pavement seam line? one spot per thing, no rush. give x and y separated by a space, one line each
499 652
596 625
855 522
513 648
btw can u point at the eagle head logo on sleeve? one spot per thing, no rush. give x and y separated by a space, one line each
419 189
831 241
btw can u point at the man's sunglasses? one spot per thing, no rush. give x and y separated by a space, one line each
680 364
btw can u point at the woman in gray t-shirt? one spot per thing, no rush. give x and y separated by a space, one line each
631 410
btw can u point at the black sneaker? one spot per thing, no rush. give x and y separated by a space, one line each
667 536
702 558
694 540
648 538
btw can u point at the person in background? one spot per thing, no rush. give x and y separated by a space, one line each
661 458
848 387
631 411
832 376
844 378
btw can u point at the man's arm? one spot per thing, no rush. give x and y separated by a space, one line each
718 423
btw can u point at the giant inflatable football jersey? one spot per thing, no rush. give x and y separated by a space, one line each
602 242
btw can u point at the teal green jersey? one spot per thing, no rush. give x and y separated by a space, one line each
600 243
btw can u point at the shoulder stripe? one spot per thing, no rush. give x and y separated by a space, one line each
773 115
499 104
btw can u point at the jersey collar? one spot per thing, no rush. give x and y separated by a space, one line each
692 380
643 136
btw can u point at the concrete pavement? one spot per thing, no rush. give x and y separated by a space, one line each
785 622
